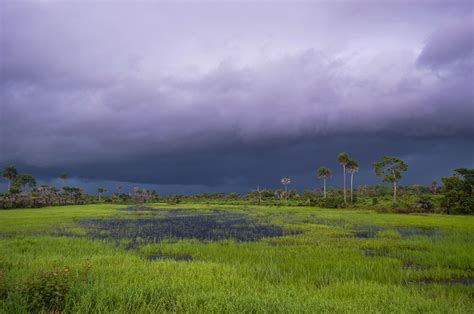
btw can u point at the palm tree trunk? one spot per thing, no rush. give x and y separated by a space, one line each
259 195
352 179
344 168
9 185
286 191
395 191
324 180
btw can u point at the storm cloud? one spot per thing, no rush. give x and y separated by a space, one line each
218 94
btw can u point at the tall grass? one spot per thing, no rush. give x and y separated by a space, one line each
324 269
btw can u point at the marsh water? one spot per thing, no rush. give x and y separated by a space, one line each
179 224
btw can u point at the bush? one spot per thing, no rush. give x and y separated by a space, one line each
405 202
334 202
458 198
424 203
175 199
47 291
3 286
381 209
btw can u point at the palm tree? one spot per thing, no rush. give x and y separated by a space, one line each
352 166
285 181
100 191
343 159
10 173
324 173
259 194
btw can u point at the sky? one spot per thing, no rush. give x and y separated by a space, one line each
202 96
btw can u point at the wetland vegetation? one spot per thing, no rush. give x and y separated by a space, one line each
216 258
353 250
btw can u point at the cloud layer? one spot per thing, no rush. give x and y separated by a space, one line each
100 83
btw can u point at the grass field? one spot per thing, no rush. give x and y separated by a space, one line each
211 258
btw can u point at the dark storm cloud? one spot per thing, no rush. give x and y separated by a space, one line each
451 45
244 169
203 93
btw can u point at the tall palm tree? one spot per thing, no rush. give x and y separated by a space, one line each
352 166
343 159
259 194
100 191
324 173
10 173
285 181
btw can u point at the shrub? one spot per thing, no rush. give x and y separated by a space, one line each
3 286
424 203
381 209
334 202
405 202
457 196
396 205
47 291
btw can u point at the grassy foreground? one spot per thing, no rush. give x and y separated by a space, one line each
343 261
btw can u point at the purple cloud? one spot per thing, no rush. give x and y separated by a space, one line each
96 82
451 45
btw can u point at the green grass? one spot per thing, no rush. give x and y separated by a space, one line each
29 220
324 269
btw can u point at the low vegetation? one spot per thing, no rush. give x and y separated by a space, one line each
456 196
327 250
108 258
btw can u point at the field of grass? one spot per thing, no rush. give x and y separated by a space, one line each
289 259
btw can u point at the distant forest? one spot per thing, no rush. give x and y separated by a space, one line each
455 194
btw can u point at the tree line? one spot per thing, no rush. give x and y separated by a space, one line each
457 191
390 168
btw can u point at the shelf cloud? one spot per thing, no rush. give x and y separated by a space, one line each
157 84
